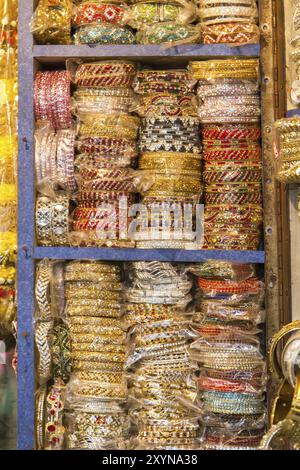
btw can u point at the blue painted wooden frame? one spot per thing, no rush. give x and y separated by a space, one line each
28 252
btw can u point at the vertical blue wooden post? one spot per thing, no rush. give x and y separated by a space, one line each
25 414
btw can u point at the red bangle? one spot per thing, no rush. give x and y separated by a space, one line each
233 154
219 385
230 287
93 12
99 197
95 213
230 133
98 225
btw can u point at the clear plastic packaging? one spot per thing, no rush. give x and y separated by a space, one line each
104 74
51 22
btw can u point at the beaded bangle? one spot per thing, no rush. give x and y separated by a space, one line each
230 287
149 13
230 175
167 104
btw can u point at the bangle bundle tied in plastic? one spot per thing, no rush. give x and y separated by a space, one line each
228 93
180 12
52 100
101 23
287 138
52 220
93 294
161 372
51 22
171 155
8 162
54 159
232 376
106 141
229 22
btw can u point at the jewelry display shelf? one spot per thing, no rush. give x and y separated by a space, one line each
30 58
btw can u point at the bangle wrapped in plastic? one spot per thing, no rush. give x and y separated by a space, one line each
104 33
169 34
51 22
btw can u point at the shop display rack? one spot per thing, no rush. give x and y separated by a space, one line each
32 57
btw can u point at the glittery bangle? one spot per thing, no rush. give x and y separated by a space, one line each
232 175
238 133
52 22
52 99
233 154
108 74
161 33
93 12
106 145
233 199
225 68
230 33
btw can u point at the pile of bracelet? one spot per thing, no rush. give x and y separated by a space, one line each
54 358
287 146
231 381
229 21
164 21
106 145
98 22
97 387
161 372
170 152
54 156
229 110
51 22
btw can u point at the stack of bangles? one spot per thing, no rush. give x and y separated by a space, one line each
229 22
52 25
161 371
106 142
93 296
164 22
287 142
232 373
170 152
230 111
101 23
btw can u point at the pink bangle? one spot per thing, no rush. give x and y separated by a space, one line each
52 100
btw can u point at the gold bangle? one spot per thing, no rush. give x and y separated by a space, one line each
92 277
109 377
40 407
